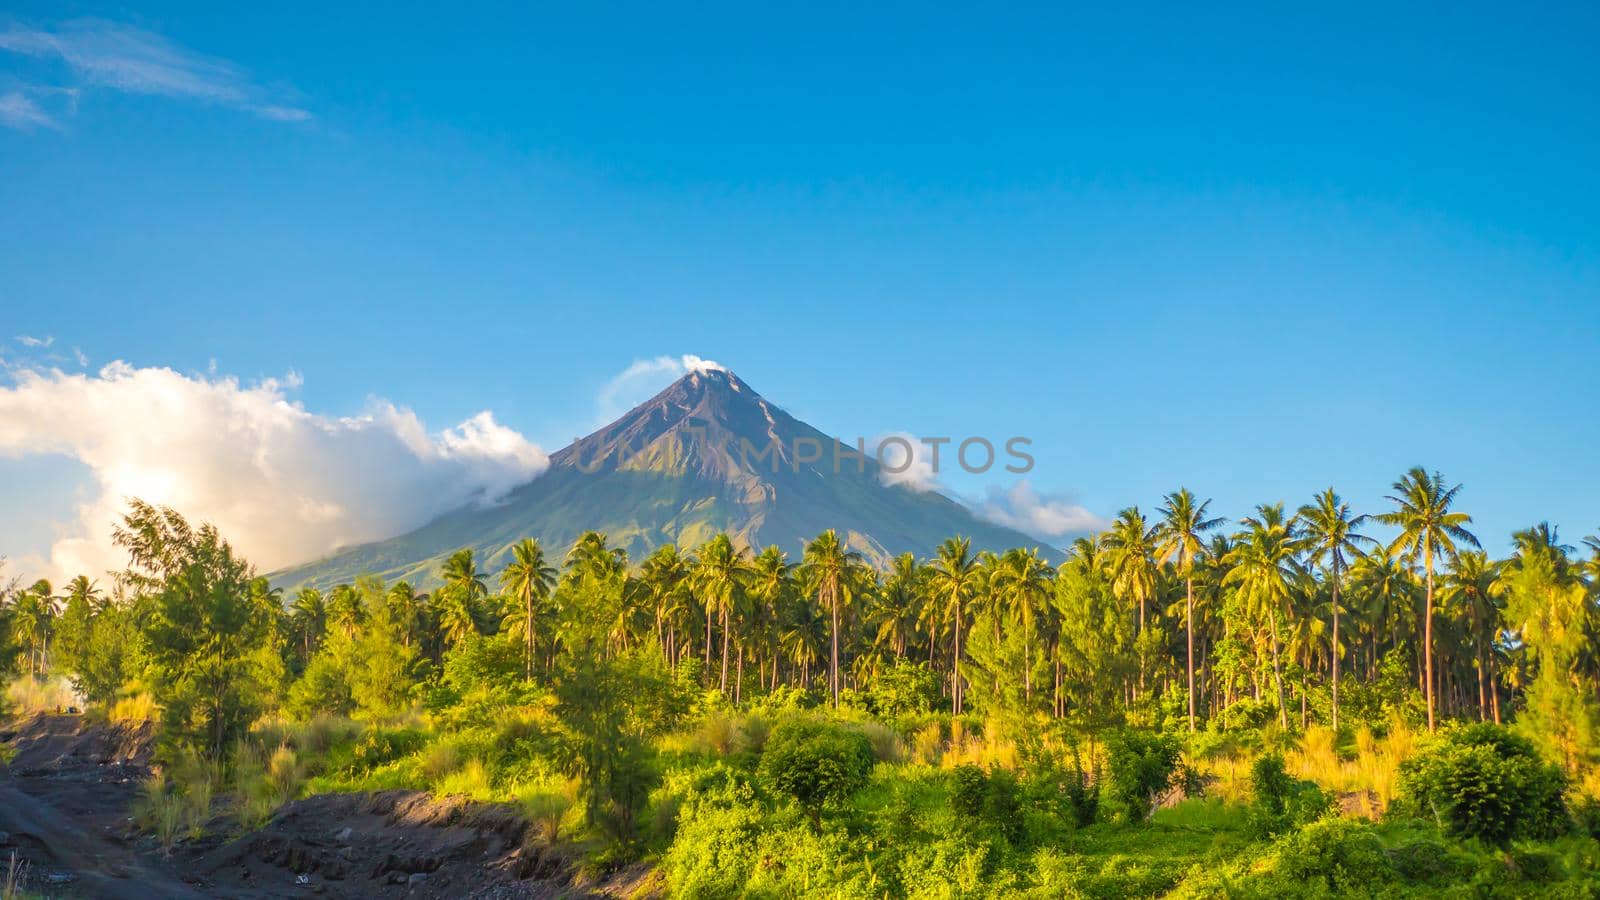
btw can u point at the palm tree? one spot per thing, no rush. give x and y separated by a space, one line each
802 636
529 579
719 573
771 585
405 608
344 609
899 603
1129 546
81 590
1022 583
460 573
828 569
31 617
953 580
1473 586
1428 528
1330 533
1182 523
590 556
1264 569
457 616
1388 605
664 576
309 617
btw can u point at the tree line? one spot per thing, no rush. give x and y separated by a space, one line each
1174 616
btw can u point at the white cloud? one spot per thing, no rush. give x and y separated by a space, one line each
1045 517
81 357
19 112
112 56
643 378
283 484
892 451
28 340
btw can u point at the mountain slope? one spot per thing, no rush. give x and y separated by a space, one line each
707 454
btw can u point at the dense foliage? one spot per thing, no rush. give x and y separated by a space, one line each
1172 708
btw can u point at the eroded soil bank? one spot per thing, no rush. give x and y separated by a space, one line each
66 811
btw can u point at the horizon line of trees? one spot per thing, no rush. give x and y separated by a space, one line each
1170 617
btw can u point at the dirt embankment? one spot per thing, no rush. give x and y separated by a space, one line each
66 803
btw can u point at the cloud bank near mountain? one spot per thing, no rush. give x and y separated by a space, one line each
283 483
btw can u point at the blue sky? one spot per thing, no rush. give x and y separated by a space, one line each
1255 253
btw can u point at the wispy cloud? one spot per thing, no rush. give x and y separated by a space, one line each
644 377
111 56
1043 516
28 340
18 111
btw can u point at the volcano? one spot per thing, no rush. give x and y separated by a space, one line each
706 455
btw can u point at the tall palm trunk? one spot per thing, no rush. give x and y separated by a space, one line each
1277 673
725 634
1427 563
1188 588
955 680
833 660
1335 652
528 627
1483 694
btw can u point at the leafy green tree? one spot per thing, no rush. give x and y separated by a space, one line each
202 631
609 708
1096 638
1549 607
1429 529
108 658
1140 765
819 764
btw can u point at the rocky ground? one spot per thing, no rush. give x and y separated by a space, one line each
65 813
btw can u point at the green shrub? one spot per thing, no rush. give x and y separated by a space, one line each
1482 781
1279 801
1586 816
718 823
1429 861
385 745
817 763
1141 765
1335 856
988 799
1536 865
905 688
